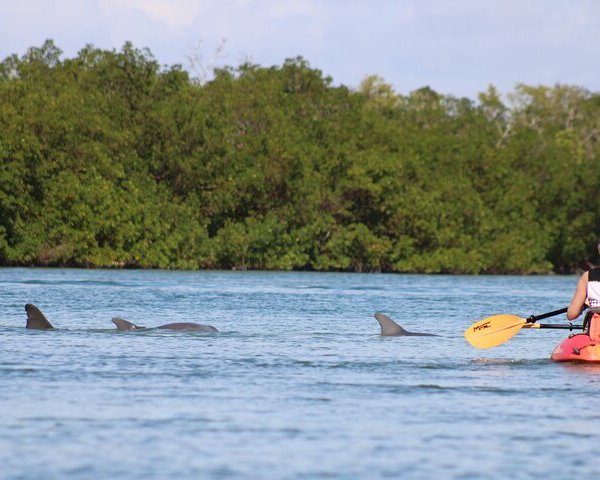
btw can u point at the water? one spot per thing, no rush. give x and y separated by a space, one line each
297 385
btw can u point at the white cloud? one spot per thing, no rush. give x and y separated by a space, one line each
176 14
456 47
295 8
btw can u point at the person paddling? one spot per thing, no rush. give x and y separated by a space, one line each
587 292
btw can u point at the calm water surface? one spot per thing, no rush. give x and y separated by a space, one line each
296 385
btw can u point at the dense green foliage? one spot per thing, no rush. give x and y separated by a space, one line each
110 160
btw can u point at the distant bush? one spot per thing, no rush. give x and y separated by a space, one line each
108 160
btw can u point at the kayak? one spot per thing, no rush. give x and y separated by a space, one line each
577 348
580 347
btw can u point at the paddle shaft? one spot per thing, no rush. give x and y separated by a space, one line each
535 318
563 327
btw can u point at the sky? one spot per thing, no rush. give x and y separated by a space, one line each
456 47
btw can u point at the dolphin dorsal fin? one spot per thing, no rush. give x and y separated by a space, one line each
36 319
124 324
388 326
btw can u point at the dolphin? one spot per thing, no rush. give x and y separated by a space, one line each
36 319
126 325
390 328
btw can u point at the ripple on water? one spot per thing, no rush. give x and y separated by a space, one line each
298 384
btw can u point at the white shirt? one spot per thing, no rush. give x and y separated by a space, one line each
593 288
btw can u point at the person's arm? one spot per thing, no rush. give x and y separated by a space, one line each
579 297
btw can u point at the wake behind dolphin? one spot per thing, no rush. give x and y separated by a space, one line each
390 328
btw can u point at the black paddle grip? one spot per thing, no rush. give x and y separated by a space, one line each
535 318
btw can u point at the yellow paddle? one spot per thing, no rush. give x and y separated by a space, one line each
497 329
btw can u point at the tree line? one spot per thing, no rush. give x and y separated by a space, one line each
109 159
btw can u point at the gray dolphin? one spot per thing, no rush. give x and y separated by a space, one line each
36 319
391 328
125 325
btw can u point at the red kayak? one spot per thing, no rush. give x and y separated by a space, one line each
581 347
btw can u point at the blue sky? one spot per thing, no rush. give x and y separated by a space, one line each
457 47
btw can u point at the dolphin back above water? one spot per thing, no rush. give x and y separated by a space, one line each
389 328
36 319
198 327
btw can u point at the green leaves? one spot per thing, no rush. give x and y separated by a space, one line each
109 160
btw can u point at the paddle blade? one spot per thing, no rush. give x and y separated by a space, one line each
493 331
